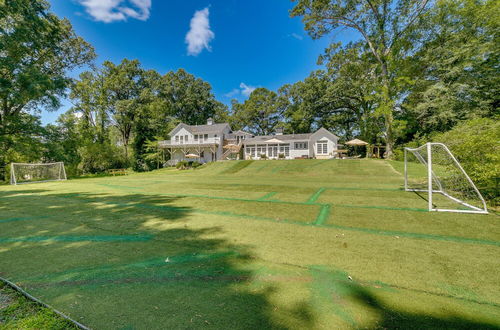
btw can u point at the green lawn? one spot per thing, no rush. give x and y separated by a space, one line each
17 312
236 245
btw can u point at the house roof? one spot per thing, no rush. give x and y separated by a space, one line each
289 137
284 137
240 132
200 129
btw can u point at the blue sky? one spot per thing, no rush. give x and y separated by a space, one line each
234 45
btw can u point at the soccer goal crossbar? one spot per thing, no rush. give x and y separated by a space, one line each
434 170
23 173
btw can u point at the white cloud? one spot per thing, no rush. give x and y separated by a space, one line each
117 10
246 90
297 36
232 93
199 35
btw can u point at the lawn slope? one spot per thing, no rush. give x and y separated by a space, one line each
253 244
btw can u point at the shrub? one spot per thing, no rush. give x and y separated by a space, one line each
475 144
263 156
281 156
184 165
97 158
181 165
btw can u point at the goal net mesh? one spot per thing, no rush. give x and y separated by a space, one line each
452 189
29 173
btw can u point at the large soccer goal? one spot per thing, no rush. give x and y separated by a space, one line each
30 173
432 169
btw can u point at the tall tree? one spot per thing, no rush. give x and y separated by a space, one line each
189 99
456 70
349 98
304 103
36 51
91 102
386 27
124 84
261 113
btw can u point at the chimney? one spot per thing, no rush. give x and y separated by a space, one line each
279 131
210 121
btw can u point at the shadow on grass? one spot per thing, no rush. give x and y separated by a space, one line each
391 318
131 261
134 261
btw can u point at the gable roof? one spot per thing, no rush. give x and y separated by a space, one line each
291 137
200 129
284 137
240 132
324 131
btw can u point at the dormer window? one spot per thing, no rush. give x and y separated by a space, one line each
177 138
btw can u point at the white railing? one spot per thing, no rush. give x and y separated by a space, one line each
211 140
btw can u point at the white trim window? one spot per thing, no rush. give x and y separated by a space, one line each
301 145
285 150
322 147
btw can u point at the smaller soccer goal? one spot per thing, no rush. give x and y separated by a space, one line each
432 169
21 173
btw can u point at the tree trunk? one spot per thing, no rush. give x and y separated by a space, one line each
387 107
125 144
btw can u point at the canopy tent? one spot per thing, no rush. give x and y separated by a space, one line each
357 142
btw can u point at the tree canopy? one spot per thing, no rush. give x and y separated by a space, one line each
37 49
416 70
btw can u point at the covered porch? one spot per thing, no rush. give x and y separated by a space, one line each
271 149
203 153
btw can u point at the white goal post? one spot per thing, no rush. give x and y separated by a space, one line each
434 170
21 173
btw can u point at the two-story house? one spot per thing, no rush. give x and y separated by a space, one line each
212 142
203 143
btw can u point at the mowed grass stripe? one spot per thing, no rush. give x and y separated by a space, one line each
431 270
455 239
312 200
23 219
318 222
69 238
315 196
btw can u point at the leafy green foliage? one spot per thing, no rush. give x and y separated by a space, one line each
388 32
456 71
21 313
475 143
97 158
37 50
184 165
260 113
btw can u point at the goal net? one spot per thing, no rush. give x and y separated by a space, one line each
29 173
433 170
